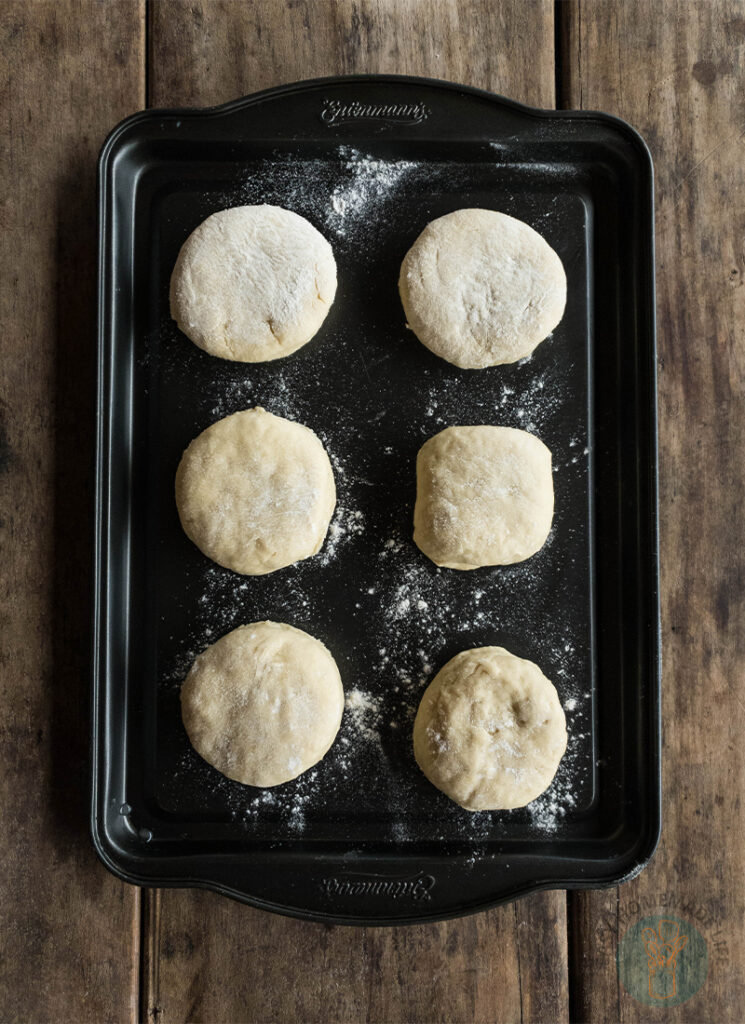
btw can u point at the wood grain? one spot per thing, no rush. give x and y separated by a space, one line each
678 74
204 52
68 946
218 961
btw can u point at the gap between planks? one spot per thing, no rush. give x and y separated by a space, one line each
149 955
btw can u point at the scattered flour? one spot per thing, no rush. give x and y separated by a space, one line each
370 182
390 616
346 523
363 709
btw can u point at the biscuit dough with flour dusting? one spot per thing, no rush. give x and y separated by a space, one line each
263 704
481 288
253 283
255 492
490 730
485 496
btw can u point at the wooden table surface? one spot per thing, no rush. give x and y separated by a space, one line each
77 944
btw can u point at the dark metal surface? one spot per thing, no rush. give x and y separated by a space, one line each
364 837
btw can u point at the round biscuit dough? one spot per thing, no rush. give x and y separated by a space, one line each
253 283
263 704
490 730
480 288
255 492
485 496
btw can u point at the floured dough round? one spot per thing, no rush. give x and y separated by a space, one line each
255 492
253 283
263 704
485 496
490 730
481 288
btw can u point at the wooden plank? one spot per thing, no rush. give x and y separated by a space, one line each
69 944
204 52
223 962
220 962
676 71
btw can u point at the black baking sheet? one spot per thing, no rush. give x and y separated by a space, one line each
583 608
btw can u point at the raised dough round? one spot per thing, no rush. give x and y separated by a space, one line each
255 492
485 496
481 288
263 704
490 730
253 283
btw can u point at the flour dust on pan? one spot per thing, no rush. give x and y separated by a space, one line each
374 394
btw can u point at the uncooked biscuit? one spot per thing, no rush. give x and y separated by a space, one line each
481 288
263 704
253 283
255 492
485 496
490 730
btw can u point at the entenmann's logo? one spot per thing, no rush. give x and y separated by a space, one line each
336 112
416 887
